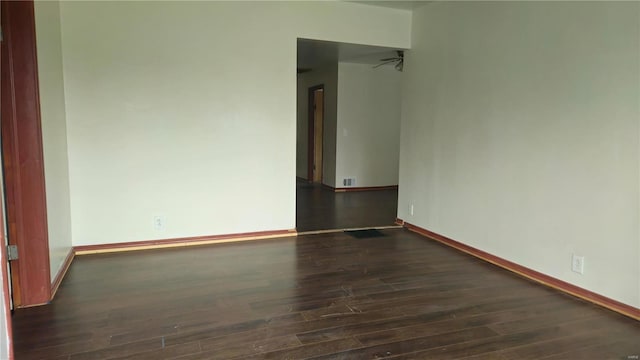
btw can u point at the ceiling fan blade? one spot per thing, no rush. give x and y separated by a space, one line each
388 59
385 63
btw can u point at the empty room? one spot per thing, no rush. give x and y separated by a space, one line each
153 154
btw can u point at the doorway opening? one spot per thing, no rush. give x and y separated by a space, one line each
348 133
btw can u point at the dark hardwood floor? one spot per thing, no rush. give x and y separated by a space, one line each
320 208
326 296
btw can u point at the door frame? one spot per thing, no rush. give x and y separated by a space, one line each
4 263
311 149
22 155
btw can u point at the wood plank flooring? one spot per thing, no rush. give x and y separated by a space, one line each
329 296
320 208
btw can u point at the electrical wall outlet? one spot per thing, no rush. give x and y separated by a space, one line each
411 209
577 264
159 223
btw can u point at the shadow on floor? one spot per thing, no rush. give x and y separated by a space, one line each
320 208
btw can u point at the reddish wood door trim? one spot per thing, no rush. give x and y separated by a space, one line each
311 130
3 268
23 159
3 271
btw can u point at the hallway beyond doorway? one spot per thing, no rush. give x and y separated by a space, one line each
320 208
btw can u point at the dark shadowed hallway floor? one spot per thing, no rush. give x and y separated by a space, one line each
320 208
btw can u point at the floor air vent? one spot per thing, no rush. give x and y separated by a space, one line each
349 182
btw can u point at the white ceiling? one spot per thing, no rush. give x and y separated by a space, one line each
395 4
314 53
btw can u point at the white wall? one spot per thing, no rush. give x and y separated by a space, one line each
4 325
520 135
368 132
4 321
187 110
54 131
327 76
5 307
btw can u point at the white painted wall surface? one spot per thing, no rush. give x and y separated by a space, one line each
368 135
327 76
54 131
520 135
187 110
4 325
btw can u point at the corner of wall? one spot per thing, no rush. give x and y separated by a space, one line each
54 131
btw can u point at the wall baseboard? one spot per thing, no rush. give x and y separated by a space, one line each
536 276
160 244
366 188
327 186
55 284
333 231
180 242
